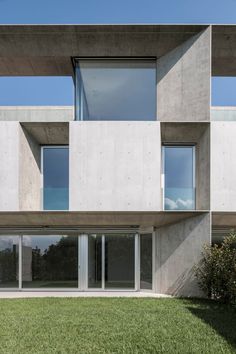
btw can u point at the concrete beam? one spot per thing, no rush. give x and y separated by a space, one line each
47 49
81 219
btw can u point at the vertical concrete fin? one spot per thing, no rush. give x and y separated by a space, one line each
183 81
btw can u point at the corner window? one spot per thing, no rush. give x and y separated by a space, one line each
115 89
55 170
179 177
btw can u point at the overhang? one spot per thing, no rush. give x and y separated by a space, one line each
75 219
47 49
224 219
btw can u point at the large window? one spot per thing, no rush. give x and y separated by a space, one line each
115 89
9 268
50 261
179 177
55 166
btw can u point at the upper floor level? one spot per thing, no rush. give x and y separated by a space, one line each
124 72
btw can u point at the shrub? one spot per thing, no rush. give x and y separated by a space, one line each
216 273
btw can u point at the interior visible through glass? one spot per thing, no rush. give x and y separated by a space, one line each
9 255
119 261
179 172
115 89
95 261
146 261
50 261
56 178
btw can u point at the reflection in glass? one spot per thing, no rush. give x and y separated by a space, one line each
146 261
115 89
56 178
95 261
50 261
119 261
179 171
9 246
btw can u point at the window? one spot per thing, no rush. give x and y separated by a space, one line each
179 177
50 261
115 89
55 168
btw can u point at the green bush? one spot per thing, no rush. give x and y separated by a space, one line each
216 273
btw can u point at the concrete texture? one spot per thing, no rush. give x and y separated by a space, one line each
47 49
223 171
223 113
87 220
35 294
9 157
29 171
224 50
49 133
37 113
183 81
198 134
115 166
177 249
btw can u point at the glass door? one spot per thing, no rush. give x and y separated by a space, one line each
146 261
111 261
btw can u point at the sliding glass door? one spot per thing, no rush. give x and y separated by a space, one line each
111 261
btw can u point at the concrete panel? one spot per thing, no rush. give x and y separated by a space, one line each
198 134
177 249
223 171
47 49
37 113
9 157
223 113
183 81
29 171
115 166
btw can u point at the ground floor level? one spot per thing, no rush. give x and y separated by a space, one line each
158 258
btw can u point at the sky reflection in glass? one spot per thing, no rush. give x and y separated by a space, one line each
56 178
179 177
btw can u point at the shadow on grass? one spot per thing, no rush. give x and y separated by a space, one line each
222 318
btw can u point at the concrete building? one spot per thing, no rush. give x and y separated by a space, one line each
122 190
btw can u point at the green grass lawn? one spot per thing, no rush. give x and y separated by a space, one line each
118 325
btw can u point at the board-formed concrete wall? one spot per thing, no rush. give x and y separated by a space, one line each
178 248
9 158
115 166
183 81
223 170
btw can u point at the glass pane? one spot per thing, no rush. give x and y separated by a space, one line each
50 261
56 178
9 246
146 261
179 177
119 261
95 261
116 89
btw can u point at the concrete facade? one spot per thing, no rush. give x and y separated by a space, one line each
116 167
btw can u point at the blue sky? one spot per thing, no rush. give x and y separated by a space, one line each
53 91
